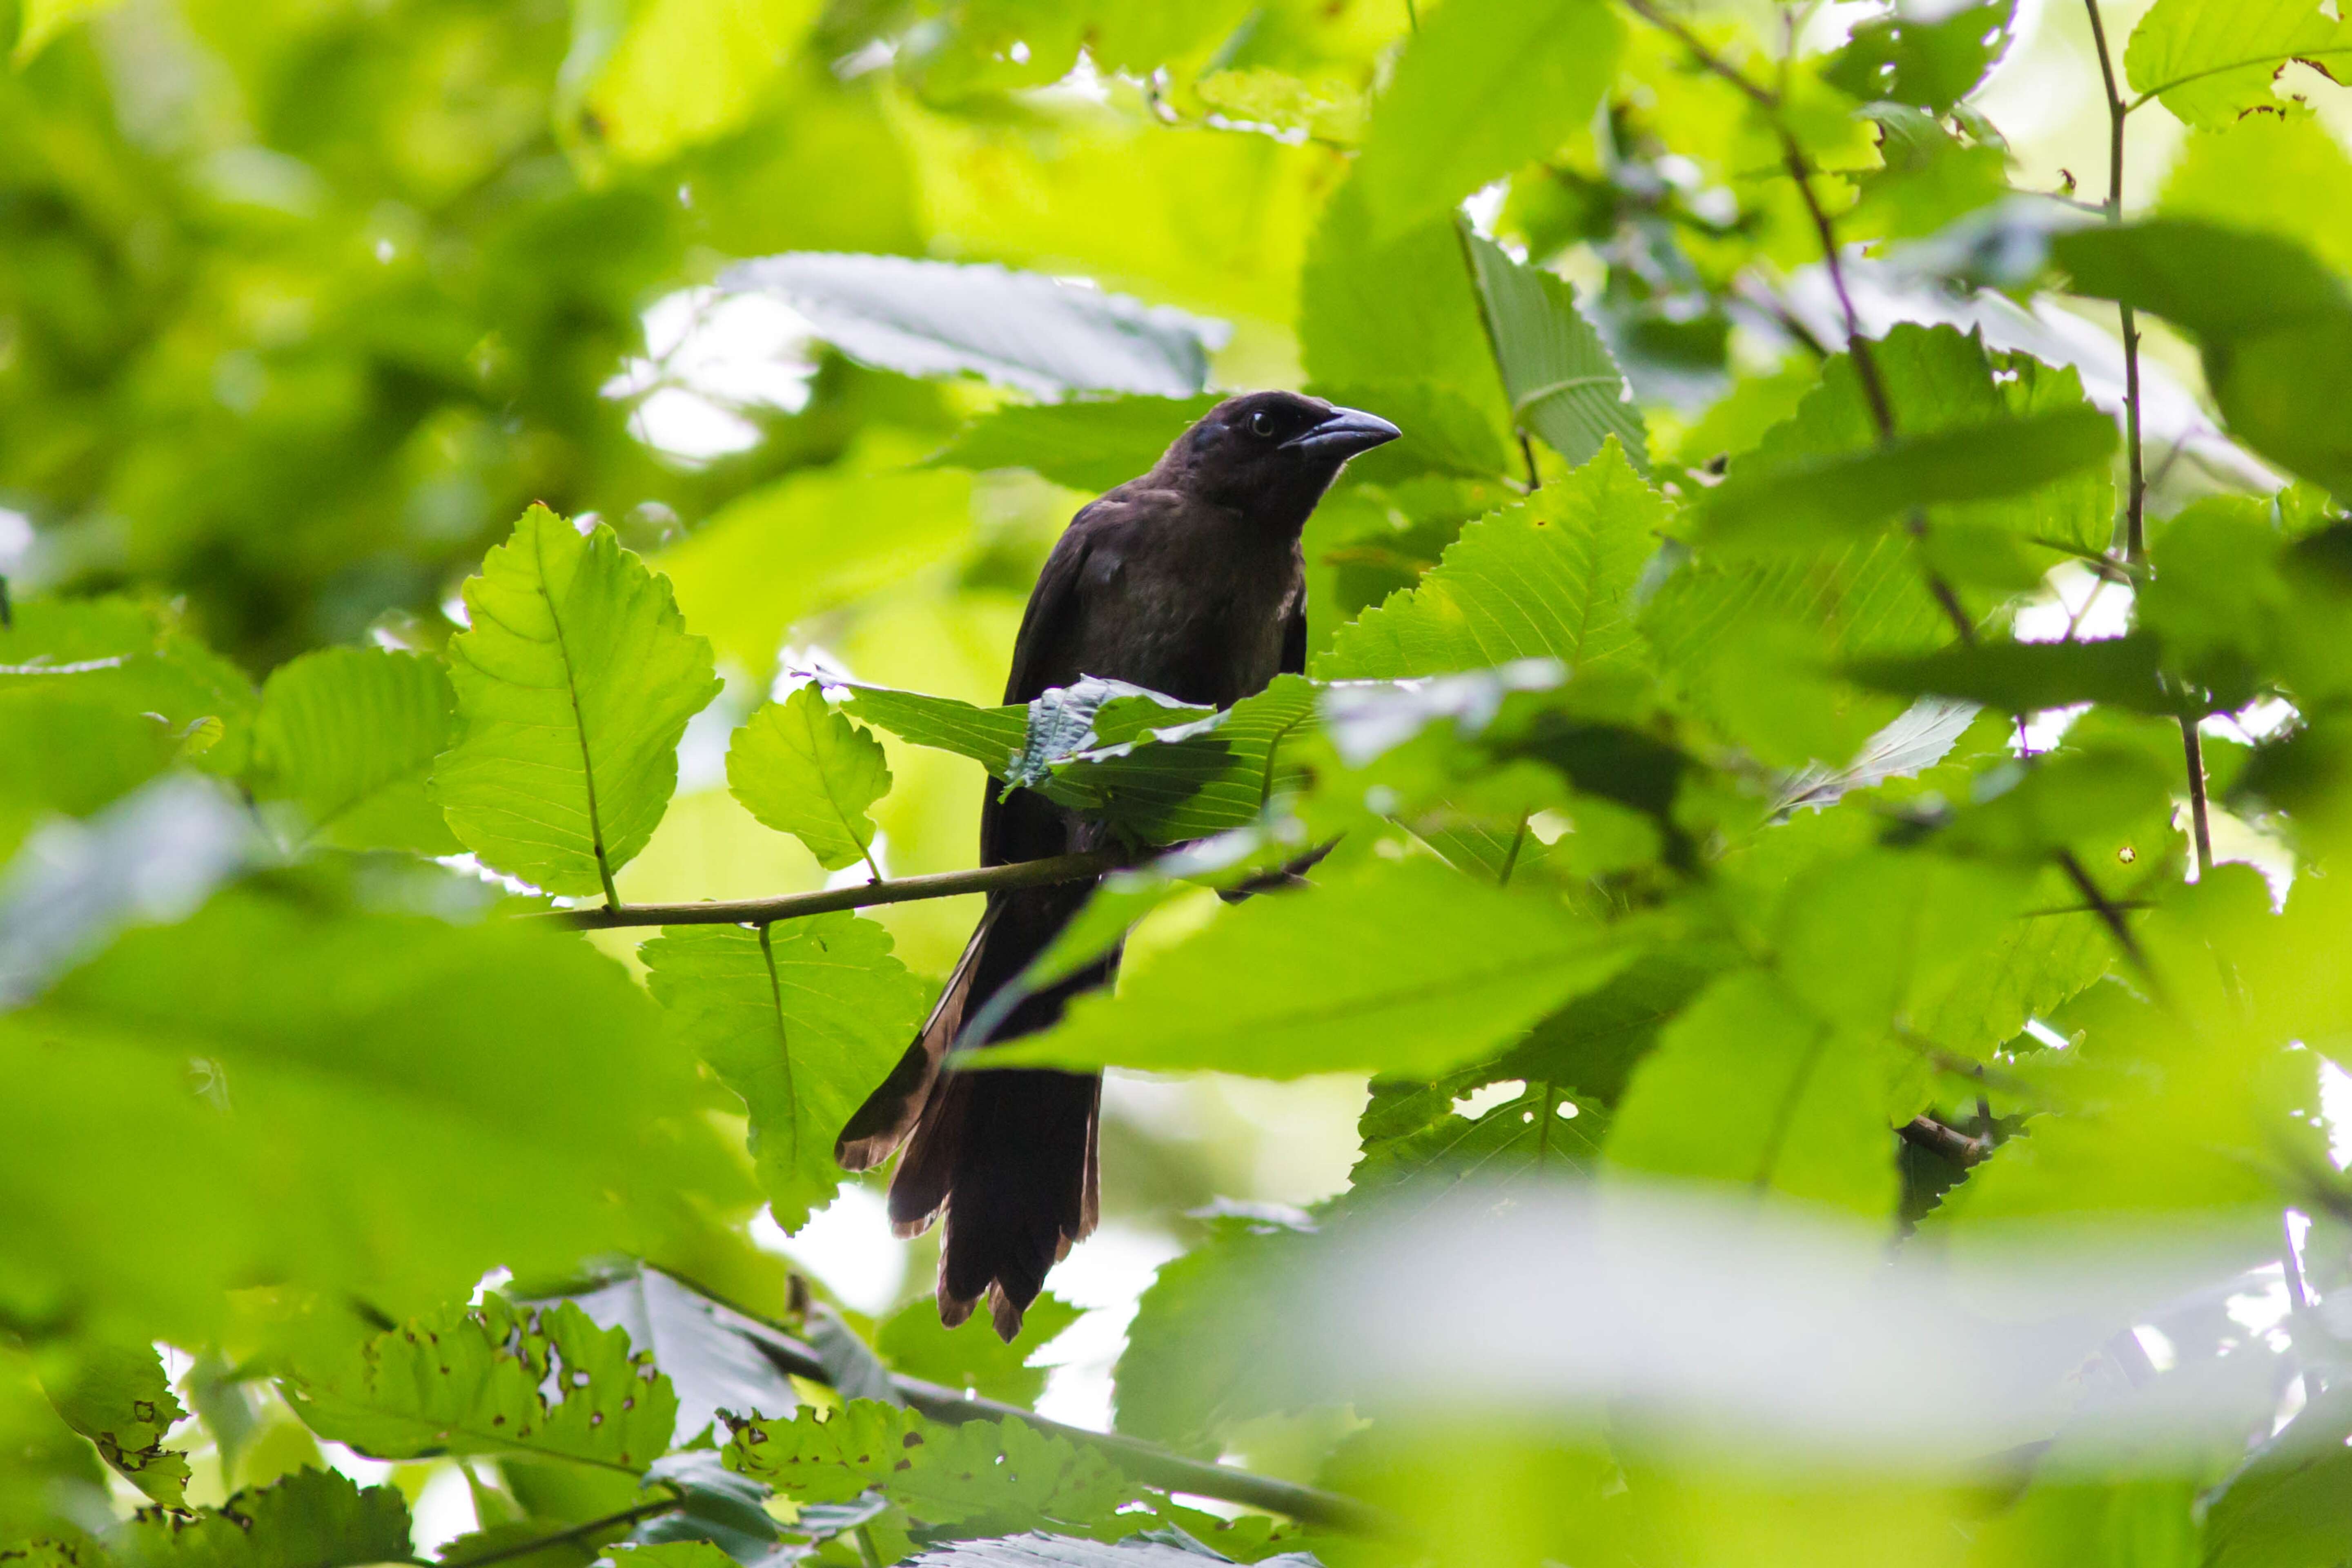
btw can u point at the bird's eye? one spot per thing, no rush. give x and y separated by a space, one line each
1262 422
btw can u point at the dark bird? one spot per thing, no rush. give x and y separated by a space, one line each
1189 581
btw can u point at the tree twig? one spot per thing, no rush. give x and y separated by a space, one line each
1949 1143
825 901
576 1533
2104 908
1147 1462
2193 745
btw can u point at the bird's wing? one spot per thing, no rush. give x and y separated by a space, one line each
1294 623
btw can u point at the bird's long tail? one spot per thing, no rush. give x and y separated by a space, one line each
1007 1158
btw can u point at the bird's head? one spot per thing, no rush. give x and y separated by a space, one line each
1271 454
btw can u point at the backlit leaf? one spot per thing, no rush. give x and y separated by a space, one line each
804 770
574 684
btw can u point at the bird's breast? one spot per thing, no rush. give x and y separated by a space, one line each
1202 625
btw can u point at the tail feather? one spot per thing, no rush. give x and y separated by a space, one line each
1010 1159
892 1112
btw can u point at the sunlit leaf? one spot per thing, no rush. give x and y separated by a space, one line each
1407 969
1552 577
118 1397
684 71
1018 329
1562 382
574 685
2213 60
311 1518
1480 91
804 770
470 1382
801 1018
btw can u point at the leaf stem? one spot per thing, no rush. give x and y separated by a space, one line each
825 901
575 1533
2193 745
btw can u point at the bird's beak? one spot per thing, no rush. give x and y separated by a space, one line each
1343 432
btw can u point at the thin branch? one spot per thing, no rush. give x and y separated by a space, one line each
1949 1143
576 1533
1865 363
2104 908
1706 59
1147 1462
2192 746
896 890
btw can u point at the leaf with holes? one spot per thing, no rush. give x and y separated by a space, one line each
800 1018
574 684
118 1397
311 1518
477 1381
2211 61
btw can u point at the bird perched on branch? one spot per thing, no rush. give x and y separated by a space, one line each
1188 581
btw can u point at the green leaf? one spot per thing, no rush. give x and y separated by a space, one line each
1190 1371
67 755
476 1381
1089 444
349 735
1591 1046
971 1358
1480 91
1552 577
1562 384
803 769
1537 1135
574 683
2220 283
687 71
311 1518
506 1088
1160 770
1926 64
138 659
2213 60
1372 308
712 1354
1024 330
2229 177
993 737
1866 941
1749 1087
987 1477
2290 1505
2026 677
118 1397
2274 323
800 1019
1406 968
1816 500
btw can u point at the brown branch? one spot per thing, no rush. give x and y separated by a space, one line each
864 895
1147 1462
1948 1143
2104 908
